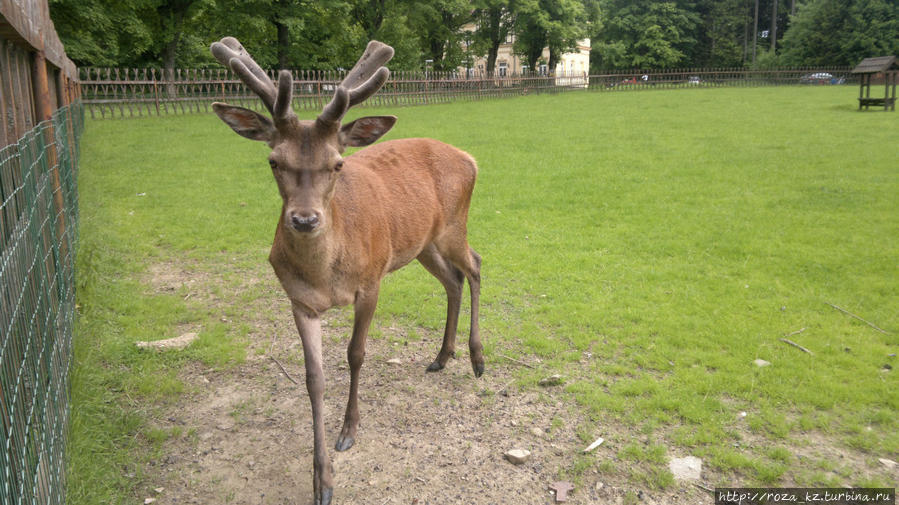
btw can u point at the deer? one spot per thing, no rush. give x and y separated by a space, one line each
346 222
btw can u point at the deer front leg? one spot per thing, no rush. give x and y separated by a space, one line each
310 329
366 301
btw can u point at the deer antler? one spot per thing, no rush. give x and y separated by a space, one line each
363 81
231 53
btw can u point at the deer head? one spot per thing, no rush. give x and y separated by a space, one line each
306 154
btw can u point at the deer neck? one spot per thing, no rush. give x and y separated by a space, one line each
309 257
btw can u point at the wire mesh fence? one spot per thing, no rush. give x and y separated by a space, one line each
38 236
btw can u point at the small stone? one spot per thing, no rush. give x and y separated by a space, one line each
595 444
742 414
148 501
688 468
169 343
552 380
887 463
761 363
159 490
599 486
537 432
395 361
517 456
561 489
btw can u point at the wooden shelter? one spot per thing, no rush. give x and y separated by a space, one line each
868 69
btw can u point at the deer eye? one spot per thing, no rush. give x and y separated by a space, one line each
273 164
338 166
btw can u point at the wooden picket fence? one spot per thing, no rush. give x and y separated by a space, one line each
120 92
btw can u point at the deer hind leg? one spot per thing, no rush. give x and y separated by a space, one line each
452 279
468 262
472 272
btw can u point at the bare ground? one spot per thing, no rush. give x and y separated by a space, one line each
424 438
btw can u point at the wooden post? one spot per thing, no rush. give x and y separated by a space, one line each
44 111
155 91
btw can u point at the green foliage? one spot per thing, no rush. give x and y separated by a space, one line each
842 32
330 34
439 31
103 32
556 24
645 34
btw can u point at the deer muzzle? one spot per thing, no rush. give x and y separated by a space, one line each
304 221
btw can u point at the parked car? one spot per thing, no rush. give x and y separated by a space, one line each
821 78
693 79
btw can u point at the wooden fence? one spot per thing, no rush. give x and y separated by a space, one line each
39 134
118 92
37 78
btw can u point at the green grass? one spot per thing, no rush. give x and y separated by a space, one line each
667 239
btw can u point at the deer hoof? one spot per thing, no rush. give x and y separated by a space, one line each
478 369
435 366
326 495
344 443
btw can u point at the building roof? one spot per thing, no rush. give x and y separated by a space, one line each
879 64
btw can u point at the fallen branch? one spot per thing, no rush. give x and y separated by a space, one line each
869 323
797 332
284 370
704 488
794 344
522 363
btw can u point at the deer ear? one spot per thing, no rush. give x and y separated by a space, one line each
365 130
245 122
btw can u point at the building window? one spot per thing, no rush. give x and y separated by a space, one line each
502 69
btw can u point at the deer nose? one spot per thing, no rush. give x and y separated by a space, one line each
304 222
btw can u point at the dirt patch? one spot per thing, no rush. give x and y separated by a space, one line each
424 438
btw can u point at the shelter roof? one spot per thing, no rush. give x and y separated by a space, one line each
879 64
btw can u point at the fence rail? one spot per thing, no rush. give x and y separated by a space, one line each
118 92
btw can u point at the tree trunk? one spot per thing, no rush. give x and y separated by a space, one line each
168 63
755 31
553 61
491 58
283 43
773 33
746 33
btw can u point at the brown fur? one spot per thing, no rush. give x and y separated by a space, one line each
347 222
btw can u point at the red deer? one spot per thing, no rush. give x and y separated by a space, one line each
347 222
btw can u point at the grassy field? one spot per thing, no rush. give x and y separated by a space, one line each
648 246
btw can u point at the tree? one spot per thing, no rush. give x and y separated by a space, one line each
171 17
439 30
721 34
841 32
495 21
645 33
556 24
103 32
